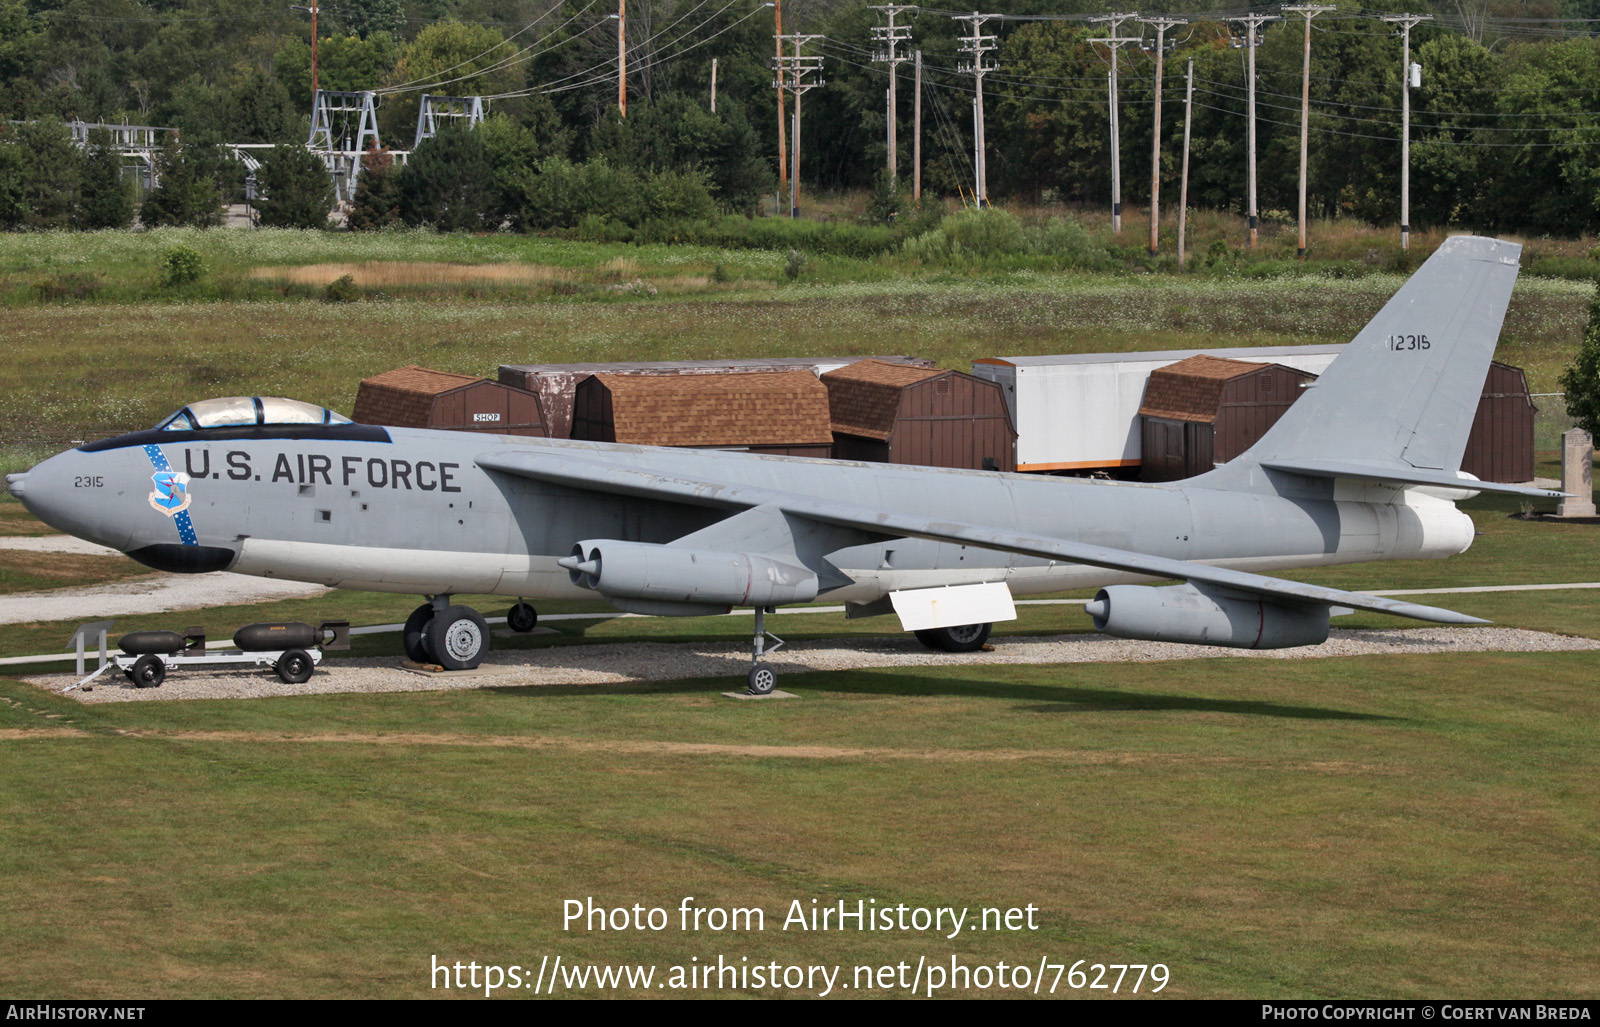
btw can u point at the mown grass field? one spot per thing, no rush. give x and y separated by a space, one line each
1373 826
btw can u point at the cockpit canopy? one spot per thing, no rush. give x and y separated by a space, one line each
231 411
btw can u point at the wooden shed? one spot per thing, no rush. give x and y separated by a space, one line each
784 412
1206 410
557 384
415 397
897 414
1500 447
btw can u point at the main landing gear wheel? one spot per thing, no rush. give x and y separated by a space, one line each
522 618
294 667
414 635
148 672
458 638
968 638
763 679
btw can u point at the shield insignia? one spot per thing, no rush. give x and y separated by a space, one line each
171 495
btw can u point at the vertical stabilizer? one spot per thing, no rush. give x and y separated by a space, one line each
1404 392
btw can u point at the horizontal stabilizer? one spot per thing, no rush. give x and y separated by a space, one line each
1403 475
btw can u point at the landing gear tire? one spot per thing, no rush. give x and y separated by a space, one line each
148 672
458 638
294 667
522 618
968 638
415 635
763 679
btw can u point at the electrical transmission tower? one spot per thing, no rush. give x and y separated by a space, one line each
1252 39
433 110
1309 11
1114 43
343 125
792 72
977 44
890 36
1406 22
1161 24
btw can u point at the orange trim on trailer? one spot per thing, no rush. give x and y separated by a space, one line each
1077 465
1003 362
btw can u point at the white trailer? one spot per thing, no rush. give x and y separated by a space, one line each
1080 411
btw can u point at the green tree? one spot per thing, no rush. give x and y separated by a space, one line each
13 191
448 183
297 191
1581 380
452 59
106 197
377 199
344 63
366 18
50 162
187 191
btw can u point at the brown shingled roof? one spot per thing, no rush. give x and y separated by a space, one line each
760 409
1191 390
404 396
864 397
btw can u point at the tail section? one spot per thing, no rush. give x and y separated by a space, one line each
1398 403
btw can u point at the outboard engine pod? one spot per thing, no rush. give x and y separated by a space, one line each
141 643
258 638
1200 616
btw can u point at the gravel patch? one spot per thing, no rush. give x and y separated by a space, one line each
657 661
158 593
55 544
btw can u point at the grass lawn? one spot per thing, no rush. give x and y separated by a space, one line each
1381 826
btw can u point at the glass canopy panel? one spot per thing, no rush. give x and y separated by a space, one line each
232 411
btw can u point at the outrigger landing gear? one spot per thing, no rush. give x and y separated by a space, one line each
762 677
454 637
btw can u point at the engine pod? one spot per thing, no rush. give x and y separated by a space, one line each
257 638
673 575
1197 616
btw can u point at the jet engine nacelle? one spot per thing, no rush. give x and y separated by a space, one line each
668 574
1184 613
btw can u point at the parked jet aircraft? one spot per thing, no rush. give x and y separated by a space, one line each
1363 467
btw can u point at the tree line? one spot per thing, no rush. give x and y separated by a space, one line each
1505 126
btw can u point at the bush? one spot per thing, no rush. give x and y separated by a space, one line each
181 265
795 264
984 232
342 290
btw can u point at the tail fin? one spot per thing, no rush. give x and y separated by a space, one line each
1403 394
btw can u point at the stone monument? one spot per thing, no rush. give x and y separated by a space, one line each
1577 474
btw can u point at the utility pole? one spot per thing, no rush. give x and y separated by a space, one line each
1310 11
1115 42
622 57
1253 23
1406 23
798 67
1161 24
1183 180
313 10
916 138
777 40
891 36
713 85
978 44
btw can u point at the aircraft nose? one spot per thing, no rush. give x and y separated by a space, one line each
70 492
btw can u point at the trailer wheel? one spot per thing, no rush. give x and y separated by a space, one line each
148 672
294 667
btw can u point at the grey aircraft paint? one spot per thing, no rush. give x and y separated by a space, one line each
1362 468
